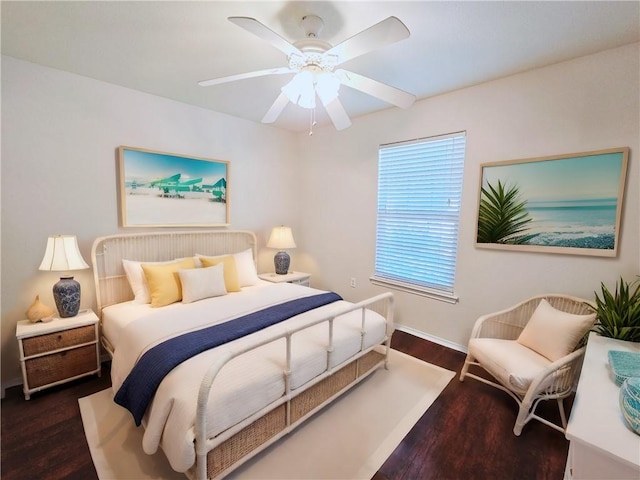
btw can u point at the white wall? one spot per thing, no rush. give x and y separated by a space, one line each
588 104
60 133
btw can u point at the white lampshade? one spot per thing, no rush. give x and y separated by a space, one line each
62 254
327 86
281 238
300 90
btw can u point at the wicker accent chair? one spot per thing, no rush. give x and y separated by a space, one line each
526 374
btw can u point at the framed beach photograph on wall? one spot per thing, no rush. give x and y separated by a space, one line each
568 204
171 190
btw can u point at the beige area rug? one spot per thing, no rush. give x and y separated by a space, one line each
349 439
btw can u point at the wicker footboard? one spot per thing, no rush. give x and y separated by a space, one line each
247 442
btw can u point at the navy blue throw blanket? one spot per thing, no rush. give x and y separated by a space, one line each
138 388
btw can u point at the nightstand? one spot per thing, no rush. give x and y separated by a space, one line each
58 351
300 278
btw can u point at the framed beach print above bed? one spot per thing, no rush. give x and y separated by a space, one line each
160 189
568 204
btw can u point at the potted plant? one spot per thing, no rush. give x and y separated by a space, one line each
618 313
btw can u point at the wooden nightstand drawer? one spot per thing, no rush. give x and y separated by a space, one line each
57 340
59 366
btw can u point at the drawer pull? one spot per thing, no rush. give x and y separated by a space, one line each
59 337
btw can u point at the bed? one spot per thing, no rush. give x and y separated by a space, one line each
214 411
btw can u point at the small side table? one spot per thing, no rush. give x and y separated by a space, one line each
300 278
601 445
58 351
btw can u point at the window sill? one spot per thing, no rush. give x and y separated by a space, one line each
414 289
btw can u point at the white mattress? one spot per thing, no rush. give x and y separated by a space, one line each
246 384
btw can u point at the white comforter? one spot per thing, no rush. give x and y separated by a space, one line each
247 383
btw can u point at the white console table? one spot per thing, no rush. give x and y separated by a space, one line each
602 446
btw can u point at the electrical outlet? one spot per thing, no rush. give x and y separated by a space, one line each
352 283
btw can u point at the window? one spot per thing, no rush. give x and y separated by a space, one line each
419 193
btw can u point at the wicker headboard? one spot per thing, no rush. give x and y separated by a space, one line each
107 253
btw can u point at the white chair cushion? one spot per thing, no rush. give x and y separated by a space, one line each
554 333
510 362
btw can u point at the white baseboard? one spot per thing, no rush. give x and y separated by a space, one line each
432 338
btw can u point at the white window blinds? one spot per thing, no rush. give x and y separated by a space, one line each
419 193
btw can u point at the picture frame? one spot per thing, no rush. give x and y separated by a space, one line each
568 204
158 189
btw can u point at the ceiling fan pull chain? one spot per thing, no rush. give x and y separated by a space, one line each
312 120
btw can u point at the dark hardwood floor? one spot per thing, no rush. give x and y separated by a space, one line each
468 431
465 434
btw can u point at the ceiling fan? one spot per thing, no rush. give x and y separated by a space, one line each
313 63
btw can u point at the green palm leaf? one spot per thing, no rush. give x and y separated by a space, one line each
618 313
502 216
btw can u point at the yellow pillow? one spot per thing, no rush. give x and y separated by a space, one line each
231 280
164 281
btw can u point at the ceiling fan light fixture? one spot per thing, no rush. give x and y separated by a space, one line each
300 90
327 86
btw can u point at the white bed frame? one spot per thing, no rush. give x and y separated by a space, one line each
218 456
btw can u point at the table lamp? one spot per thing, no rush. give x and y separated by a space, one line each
281 238
62 255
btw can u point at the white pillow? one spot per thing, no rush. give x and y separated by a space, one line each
554 333
137 280
199 283
247 274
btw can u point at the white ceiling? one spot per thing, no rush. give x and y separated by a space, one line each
165 48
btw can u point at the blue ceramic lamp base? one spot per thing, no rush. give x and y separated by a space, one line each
282 262
66 293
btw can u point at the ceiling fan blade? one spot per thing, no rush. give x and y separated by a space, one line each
260 30
276 109
384 92
242 76
337 114
388 31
